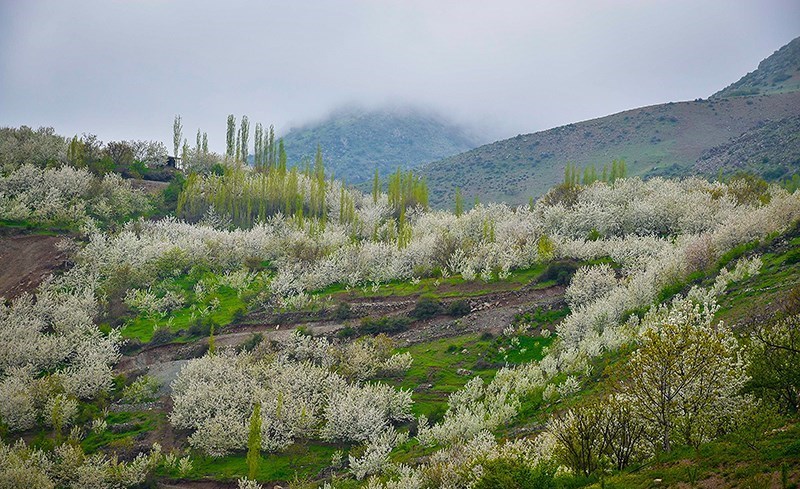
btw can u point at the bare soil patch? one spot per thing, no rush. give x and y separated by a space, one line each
26 260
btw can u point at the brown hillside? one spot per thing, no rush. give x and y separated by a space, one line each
656 140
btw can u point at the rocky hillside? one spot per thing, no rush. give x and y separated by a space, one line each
776 74
771 149
355 142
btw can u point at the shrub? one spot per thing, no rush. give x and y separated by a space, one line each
143 389
201 327
560 271
162 335
426 307
459 308
130 345
252 342
394 324
239 314
347 332
343 312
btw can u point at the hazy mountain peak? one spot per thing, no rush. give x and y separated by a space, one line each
356 140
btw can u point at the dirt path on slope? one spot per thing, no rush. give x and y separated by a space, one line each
491 312
26 260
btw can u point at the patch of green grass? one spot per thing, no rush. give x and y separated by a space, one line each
139 422
541 317
723 460
452 286
298 461
229 304
30 227
434 375
529 349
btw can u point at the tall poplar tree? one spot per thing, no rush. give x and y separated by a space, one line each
230 140
185 153
258 142
238 148
376 187
459 202
244 130
281 157
177 134
271 147
254 442
319 165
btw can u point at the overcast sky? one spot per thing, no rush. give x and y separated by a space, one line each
122 70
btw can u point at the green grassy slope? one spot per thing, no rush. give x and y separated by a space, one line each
355 142
662 139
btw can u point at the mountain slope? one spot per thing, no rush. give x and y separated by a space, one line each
661 139
355 142
776 74
729 131
771 149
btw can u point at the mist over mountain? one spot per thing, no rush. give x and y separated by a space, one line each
356 141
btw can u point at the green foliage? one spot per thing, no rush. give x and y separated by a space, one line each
747 188
347 332
101 166
541 316
407 190
376 187
230 138
212 342
572 174
515 473
246 198
162 335
459 202
561 272
545 247
386 324
343 311
201 326
426 307
170 195
775 362
254 443
143 389
459 308
252 342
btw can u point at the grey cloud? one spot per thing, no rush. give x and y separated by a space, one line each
123 69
